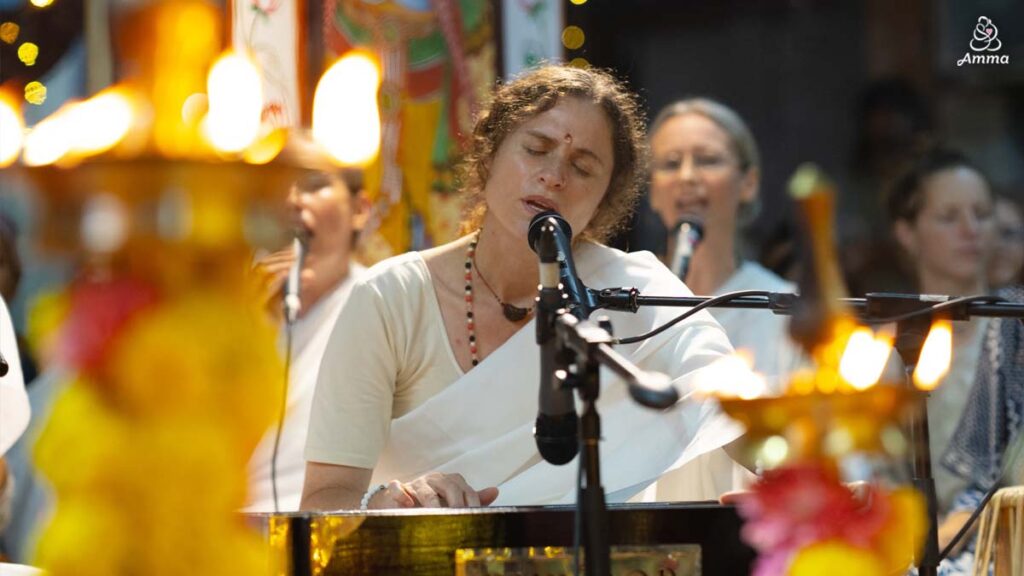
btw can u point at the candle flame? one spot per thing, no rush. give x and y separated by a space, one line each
235 93
864 358
346 121
12 131
936 355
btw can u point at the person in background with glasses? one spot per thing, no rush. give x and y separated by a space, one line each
706 166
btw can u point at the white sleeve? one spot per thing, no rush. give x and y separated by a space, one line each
14 407
351 413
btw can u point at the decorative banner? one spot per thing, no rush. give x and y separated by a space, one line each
531 33
270 31
437 63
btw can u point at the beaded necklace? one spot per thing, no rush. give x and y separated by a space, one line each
511 312
470 328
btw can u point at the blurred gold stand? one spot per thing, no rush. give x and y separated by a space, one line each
817 425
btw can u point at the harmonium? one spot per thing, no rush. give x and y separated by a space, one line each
682 539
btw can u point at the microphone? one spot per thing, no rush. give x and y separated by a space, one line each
292 302
689 231
581 300
556 426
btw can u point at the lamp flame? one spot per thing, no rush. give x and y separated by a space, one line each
47 142
101 122
864 358
235 92
346 121
82 128
731 377
12 131
936 355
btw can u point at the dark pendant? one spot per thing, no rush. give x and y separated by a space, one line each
514 313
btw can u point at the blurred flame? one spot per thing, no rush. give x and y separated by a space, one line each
266 148
82 128
47 142
12 130
864 358
235 93
731 377
936 355
99 123
346 121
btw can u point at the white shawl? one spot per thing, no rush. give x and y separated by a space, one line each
481 426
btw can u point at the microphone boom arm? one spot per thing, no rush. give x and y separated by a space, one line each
591 342
874 308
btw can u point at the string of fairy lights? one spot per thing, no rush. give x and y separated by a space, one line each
11 33
573 39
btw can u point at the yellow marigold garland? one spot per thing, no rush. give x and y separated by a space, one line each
148 454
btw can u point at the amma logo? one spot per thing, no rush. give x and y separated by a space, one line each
985 39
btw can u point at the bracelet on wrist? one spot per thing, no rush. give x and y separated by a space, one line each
365 502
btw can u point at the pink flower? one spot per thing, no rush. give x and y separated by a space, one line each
99 311
266 7
774 563
532 7
798 505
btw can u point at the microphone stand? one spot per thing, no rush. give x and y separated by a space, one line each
585 346
912 325
910 336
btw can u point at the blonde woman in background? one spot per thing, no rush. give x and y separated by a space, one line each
706 164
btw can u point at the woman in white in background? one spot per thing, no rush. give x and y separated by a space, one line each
706 164
14 408
327 206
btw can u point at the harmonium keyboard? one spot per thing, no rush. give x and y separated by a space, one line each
646 539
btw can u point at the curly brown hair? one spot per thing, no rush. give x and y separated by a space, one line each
537 91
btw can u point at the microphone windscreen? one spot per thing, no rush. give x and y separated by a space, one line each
695 224
556 437
538 222
688 233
